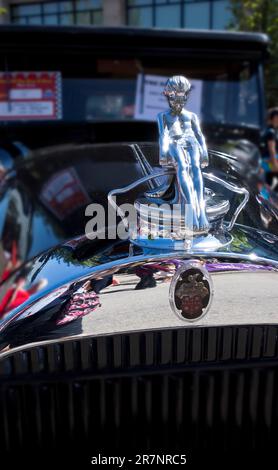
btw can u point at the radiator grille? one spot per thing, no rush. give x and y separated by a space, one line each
152 348
199 388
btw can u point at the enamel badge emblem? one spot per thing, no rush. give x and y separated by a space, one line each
191 291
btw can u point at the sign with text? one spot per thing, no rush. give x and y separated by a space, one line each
30 96
150 99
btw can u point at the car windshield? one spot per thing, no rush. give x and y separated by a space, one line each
45 204
100 89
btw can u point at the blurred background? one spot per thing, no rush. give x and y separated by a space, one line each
237 15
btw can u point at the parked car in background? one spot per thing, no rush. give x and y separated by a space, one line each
66 84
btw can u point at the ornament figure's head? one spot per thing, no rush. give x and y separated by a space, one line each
177 90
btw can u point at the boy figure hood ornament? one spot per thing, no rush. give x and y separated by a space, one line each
181 214
182 146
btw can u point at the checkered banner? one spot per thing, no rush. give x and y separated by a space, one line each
30 96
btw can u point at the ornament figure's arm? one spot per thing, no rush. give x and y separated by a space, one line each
164 139
200 137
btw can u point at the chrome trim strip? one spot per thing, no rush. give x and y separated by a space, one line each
223 155
235 189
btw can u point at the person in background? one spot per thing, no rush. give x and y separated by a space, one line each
2 172
15 296
270 153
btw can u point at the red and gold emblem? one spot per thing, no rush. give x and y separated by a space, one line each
190 291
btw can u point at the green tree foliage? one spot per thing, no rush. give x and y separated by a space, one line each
261 16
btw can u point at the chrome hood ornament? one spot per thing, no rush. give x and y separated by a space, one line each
180 213
182 146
